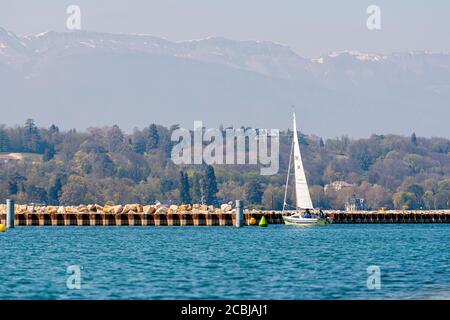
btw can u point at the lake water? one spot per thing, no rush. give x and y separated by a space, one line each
278 262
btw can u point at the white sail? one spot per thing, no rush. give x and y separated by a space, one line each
302 194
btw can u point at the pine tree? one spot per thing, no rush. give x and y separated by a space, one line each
139 145
31 137
53 129
209 185
414 139
321 143
49 153
197 187
185 194
153 137
254 192
4 141
54 193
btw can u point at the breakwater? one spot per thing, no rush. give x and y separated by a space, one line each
192 215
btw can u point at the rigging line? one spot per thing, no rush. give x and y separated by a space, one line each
288 173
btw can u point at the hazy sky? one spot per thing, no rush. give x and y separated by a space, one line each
309 27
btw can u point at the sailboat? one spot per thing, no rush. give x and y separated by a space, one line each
304 210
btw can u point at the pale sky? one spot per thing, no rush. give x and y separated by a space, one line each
311 28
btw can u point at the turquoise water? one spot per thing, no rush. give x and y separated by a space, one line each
278 262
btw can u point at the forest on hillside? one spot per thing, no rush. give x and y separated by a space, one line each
108 166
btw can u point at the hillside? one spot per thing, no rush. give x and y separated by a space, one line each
109 166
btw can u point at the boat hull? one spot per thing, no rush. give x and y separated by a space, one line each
305 222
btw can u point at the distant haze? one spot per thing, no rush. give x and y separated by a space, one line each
83 79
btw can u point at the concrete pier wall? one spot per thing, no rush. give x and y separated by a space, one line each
193 218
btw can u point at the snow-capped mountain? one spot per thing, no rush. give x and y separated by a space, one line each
140 78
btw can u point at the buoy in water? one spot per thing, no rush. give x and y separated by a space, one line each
252 221
263 222
2 228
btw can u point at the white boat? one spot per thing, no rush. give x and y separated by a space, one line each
304 210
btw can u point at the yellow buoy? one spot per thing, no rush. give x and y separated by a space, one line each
2 228
252 221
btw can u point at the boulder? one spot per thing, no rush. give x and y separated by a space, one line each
117 209
149 209
161 210
83 209
52 210
132 207
61 210
107 209
173 207
226 207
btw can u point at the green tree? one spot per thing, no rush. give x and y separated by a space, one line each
197 193
273 198
54 193
321 143
209 185
31 137
414 139
49 153
185 193
153 137
138 144
254 191
428 200
404 200
4 141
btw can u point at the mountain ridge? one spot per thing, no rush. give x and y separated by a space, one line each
242 82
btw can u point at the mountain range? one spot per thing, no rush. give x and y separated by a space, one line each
81 79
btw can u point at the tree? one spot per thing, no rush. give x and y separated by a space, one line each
318 197
138 144
209 185
49 153
153 137
321 143
185 193
428 200
364 152
54 193
418 193
273 198
4 141
197 193
378 197
31 137
254 191
116 139
404 200
414 139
